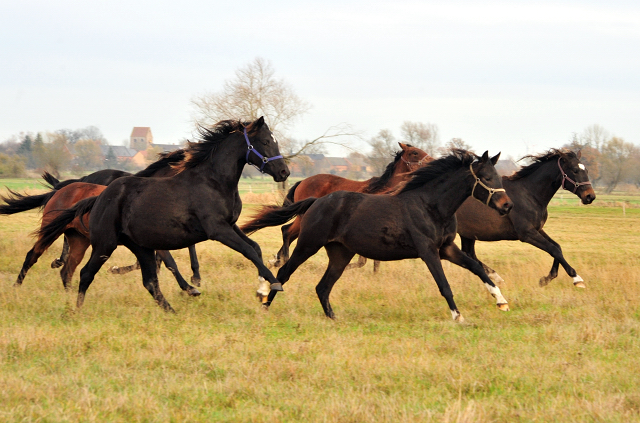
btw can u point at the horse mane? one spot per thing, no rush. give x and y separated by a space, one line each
379 183
210 138
454 161
166 160
539 160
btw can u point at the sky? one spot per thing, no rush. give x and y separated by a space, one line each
513 76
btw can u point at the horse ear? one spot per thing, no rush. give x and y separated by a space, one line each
402 146
579 154
258 123
495 158
485 156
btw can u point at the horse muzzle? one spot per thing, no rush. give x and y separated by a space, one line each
587 196
503 205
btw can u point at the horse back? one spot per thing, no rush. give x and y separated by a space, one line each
324 184
66 198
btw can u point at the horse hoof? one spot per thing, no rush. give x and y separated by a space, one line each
276 286
544 281
193 292
578 282
114 270
503 307
195 281
265 307
262 298
459 319
56 263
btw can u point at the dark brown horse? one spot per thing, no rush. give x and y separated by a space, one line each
408 159
77 236
531 190
200 202
416 222
16 203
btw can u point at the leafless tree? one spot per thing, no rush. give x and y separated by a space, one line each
421 135
254 92
616 162
454 143
594 136
384 146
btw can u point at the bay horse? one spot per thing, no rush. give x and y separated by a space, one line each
408 159
77 236
16 203
416 222
200 202
531 189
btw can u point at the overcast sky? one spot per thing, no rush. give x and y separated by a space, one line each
511 76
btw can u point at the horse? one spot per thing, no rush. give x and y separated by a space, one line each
409 158
77 237
416 222
531 189
200 202
16 203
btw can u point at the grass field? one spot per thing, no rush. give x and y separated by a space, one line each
393 354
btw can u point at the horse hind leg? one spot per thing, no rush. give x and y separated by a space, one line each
339 258
78 245
124 269
195 266
147 260
357 265
63 256
31 258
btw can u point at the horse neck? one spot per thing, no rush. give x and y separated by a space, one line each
224 168
401 173
446 197
543 183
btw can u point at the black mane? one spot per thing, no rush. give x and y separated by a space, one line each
210 138
166 160
539 160
457 159
378 183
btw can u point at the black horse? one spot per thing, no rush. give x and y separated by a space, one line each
16 203
200 202
416 222
531 189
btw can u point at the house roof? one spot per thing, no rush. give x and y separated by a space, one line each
118 150
140 131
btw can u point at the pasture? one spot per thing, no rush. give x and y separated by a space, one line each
393 354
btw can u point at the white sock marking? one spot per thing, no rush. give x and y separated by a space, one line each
263 286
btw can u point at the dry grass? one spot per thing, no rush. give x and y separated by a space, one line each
393 354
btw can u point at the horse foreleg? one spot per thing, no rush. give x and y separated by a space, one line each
376 266
63 256
195 266
452 253
468 247
170 263
99 255
544 242
147 260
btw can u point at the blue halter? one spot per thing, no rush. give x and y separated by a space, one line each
265 160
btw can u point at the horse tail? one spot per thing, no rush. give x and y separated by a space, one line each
16 202
275 216
50 179
52 231
288 200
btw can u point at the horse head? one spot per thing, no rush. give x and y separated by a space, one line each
413 158
263 152
491 193
575 177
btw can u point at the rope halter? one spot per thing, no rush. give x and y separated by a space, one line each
417 164
250 149
490 190
565 177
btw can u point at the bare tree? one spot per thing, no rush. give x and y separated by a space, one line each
616 162
383 146
594 136
421 135
454 143
254 92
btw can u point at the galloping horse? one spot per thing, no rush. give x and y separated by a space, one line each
200 202
16 203
408 159
77 236
531 189
416 222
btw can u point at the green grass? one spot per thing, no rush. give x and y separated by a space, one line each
393 354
